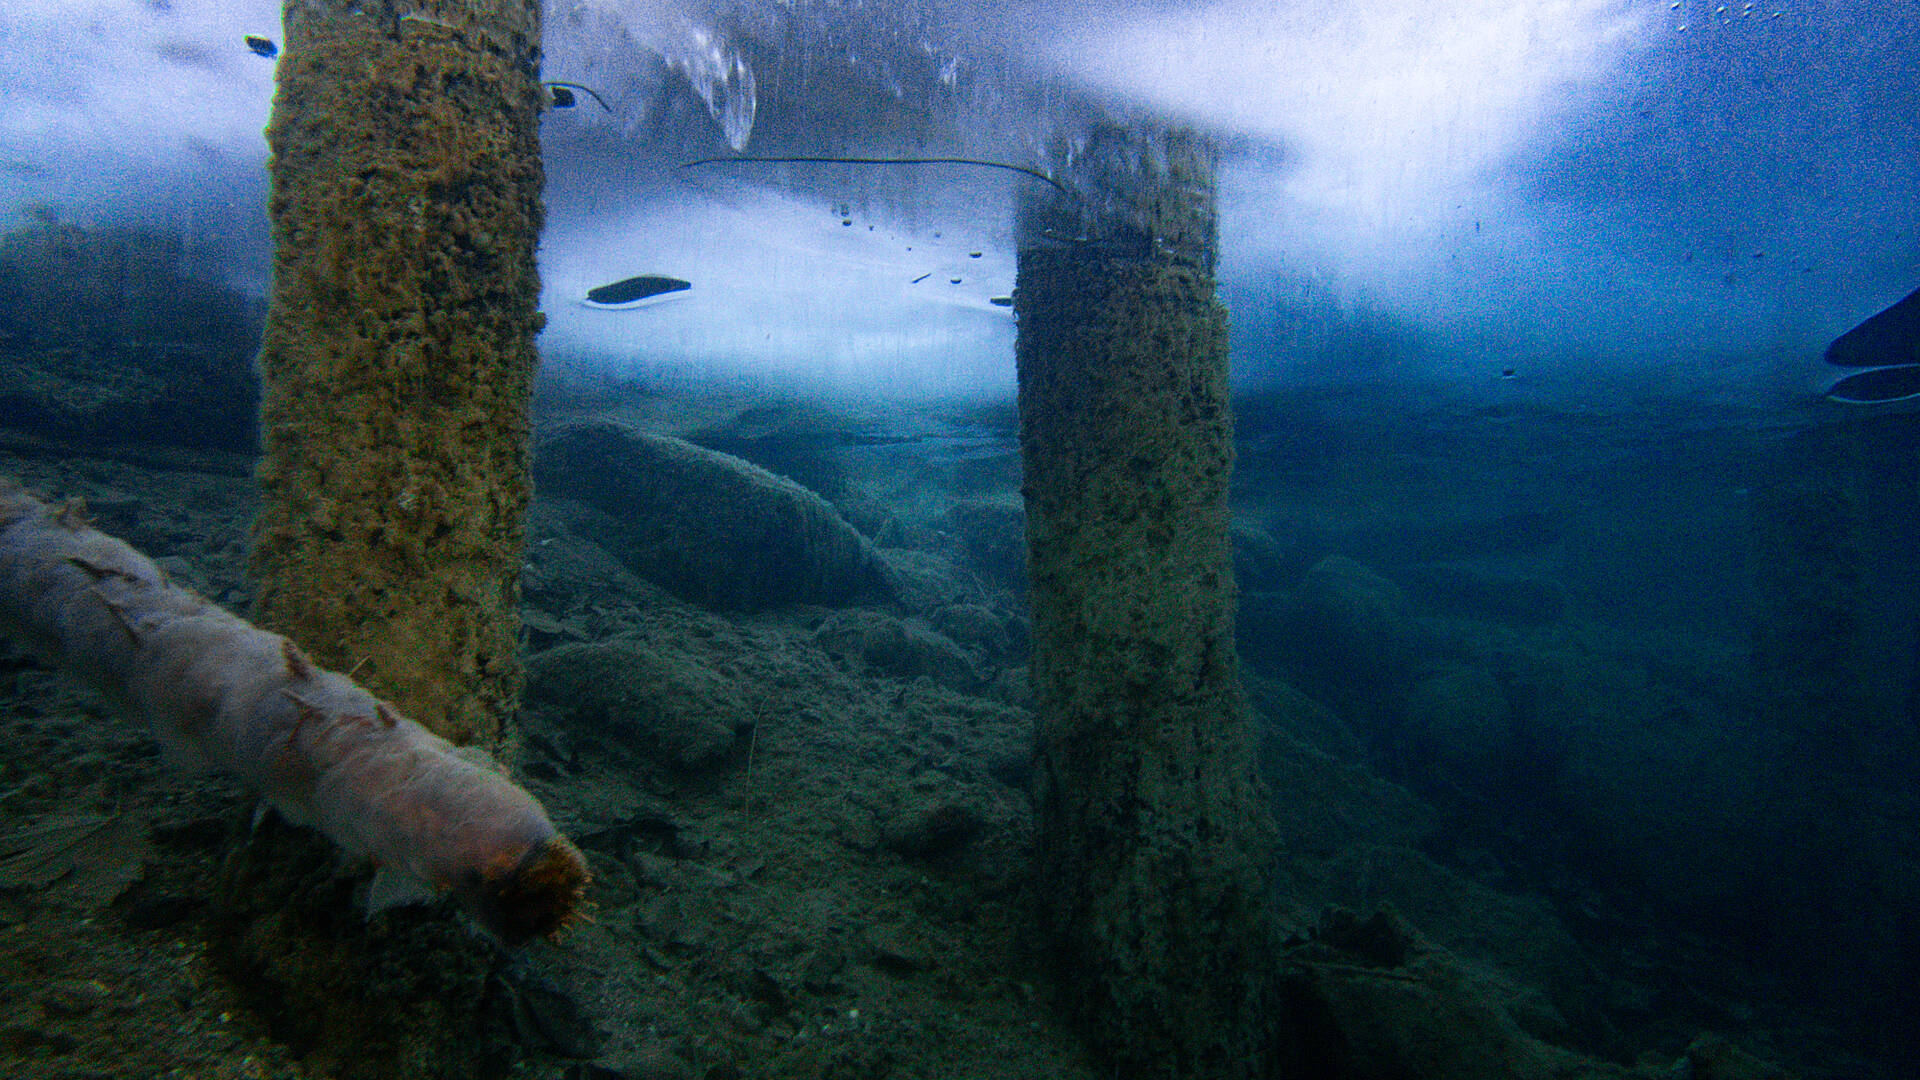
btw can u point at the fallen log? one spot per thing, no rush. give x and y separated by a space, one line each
223 695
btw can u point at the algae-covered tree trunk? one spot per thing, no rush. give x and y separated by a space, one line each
1155 843
397 367
399 347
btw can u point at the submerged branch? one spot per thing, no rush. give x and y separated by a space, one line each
224 695
804 160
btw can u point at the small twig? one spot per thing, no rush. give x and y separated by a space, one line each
746 794
1356 969
1022 169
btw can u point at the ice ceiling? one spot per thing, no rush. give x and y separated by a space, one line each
1457 185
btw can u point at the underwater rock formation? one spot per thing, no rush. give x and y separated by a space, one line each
1379 1000
675 710
223 695
1462 591
104 340
706 526
904 648
1360 619
1347 636
991 536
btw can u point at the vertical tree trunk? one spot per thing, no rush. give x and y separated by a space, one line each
397 367
399 347
1155 843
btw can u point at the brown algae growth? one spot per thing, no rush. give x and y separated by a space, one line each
398 353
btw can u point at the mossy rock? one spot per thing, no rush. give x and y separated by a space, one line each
1464 592
103 340
708 527
1461 726
904 648
1346 634
667 706
992 534
1374 998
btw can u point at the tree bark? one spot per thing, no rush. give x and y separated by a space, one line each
1155 841
399 355
397 368
224 696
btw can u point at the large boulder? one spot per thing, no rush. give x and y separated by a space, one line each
708 527
992 536
664 705
904 648
1346 636
1373 998
105 340
1461 728
1461 591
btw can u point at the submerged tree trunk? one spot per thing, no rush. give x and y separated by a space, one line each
1155 843
397 367
399 348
